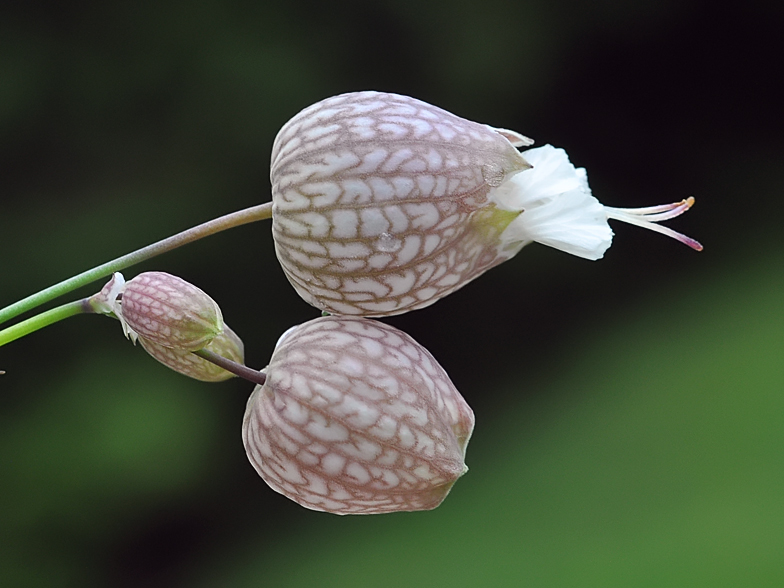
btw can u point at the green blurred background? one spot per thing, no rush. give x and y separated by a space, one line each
630 412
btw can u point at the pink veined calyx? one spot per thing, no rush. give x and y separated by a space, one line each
356 417
170 318
383 203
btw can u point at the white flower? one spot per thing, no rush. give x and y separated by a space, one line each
383 204
557 209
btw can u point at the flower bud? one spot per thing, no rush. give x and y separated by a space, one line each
384 204
227 344
167 310
356 417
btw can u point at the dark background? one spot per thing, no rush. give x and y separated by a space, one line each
629 411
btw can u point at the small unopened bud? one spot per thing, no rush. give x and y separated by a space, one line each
356 417
227 345
169 311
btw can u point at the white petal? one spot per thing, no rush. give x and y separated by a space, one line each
556 206
574 222
103 302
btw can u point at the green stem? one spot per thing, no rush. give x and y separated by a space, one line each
228 221
42 320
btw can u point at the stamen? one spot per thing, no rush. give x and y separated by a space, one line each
648 217
687 203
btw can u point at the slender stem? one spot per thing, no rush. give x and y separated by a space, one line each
42 320
235 368
228 221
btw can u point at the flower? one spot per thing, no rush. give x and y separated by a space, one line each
384 204
554 206
355 417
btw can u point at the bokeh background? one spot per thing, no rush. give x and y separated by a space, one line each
630 411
